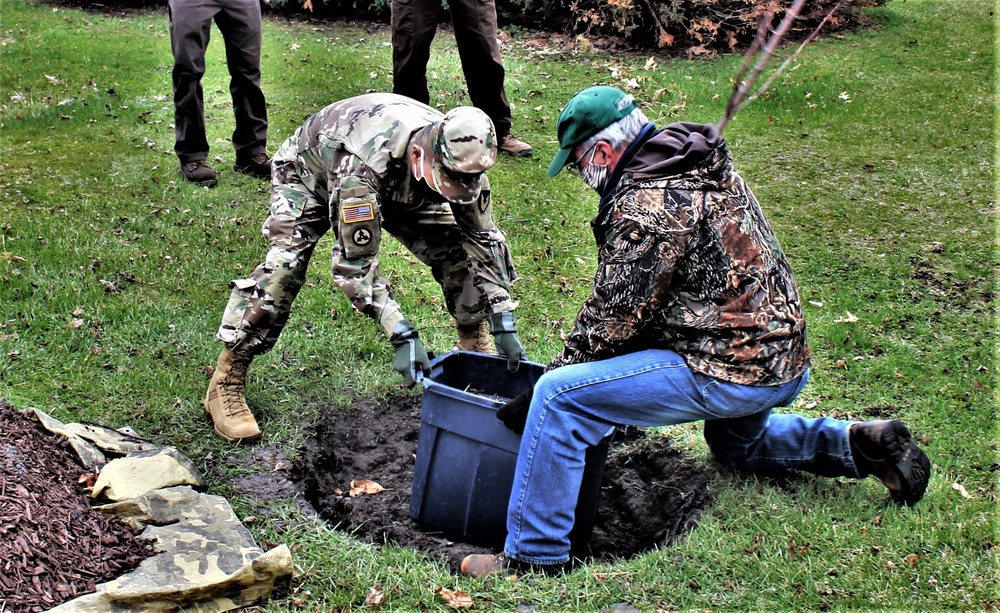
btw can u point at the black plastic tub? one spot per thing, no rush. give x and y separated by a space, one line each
465 456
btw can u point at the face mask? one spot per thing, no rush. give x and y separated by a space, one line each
418 168
595 176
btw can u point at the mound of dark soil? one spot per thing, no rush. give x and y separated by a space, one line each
650 492
53 545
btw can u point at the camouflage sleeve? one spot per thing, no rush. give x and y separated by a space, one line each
356 201
635 267
489 256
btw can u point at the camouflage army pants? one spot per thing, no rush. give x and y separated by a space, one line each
467 254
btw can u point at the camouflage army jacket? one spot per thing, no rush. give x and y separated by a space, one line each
688 262
361 144
365 138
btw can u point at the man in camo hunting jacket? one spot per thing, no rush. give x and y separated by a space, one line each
694 316
360 166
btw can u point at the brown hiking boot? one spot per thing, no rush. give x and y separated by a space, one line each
199 173
885 450
224 400
475 338
514 146
483 565
257 165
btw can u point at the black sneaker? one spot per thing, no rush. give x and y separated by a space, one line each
257 165
885 450
199 173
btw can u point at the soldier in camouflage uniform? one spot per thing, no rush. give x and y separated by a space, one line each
694 316
360 166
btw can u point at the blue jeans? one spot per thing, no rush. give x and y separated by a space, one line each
576 406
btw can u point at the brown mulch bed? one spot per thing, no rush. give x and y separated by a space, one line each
53 545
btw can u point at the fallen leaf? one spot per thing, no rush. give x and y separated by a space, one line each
850 318
361 487
459 599
795 548
912 559
375 596
961 490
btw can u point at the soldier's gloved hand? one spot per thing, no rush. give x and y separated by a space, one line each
504 333
411 359
515 413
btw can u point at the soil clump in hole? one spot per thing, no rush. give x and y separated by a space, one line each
650 492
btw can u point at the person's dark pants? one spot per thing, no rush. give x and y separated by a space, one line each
190 27
414 23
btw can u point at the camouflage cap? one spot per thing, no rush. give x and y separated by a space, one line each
464 146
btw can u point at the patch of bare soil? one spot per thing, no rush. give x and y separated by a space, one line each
53 545
650 493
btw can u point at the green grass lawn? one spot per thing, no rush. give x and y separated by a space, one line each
874 158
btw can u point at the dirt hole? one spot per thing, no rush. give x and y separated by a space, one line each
650 492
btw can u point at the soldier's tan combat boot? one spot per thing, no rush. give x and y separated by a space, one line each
475 338
225 403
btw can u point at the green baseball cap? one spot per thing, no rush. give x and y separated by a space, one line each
586 114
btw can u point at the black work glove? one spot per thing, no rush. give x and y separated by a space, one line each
515 413
504 332
411 359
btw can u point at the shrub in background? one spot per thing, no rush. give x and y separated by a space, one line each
692 27
373 10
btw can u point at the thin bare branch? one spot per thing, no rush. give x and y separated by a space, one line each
739 84
765 55
787 61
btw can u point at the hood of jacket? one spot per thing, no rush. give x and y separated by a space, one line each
688 155
676 151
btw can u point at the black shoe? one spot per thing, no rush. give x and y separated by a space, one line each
199 173
257 165
885 450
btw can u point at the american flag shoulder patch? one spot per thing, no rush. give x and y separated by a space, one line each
354 213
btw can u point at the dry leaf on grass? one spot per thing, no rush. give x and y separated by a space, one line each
850 318
459 599
375 596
